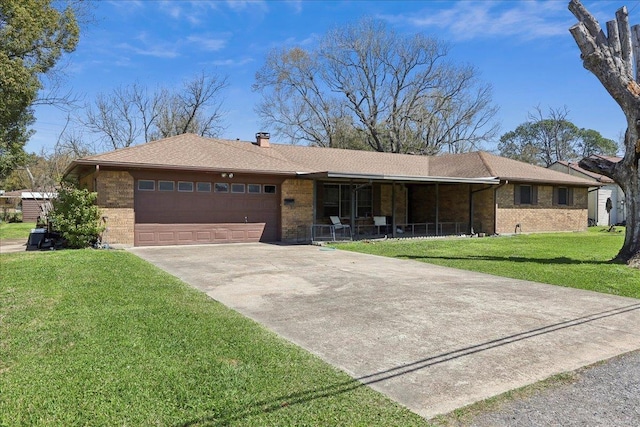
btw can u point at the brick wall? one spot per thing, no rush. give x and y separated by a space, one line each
296 218
120 225
115 199
544 216
87 182
386 202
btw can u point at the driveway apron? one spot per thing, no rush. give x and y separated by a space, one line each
432 338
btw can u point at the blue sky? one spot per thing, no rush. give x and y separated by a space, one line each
523 48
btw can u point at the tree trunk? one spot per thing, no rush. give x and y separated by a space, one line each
630 252
610 59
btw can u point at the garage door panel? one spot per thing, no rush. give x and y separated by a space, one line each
203 236
166 237
185 234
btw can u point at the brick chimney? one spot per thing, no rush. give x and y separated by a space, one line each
262 139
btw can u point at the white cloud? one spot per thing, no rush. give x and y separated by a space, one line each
153 48
238 5
232 62
127 5
208 43
466 20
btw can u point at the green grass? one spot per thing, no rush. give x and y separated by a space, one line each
103 338
15 230
578 260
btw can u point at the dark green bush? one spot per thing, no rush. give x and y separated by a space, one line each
76 217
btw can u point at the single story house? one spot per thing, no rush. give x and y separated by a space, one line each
604 188
32 204
188 189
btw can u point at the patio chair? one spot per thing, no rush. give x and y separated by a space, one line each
336 224
380 221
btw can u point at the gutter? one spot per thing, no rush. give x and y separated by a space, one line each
399 178
77 163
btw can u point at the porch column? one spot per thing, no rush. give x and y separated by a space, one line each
437 207
471 194
314 206
393 208
352 216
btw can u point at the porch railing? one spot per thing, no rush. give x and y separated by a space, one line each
327 232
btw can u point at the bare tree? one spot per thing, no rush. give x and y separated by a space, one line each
295 100
197 108
398 92
115 118
132 114
610 58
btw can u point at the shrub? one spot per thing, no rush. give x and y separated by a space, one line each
76 217
11 217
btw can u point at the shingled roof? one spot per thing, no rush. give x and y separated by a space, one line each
576 167
192 152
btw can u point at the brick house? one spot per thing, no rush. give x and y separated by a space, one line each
188 189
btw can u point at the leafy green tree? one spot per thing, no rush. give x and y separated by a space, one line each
592 142
544 140
33 36
76 216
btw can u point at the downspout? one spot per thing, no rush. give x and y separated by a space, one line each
495 206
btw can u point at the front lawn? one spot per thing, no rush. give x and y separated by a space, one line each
103 338
578 260
15 230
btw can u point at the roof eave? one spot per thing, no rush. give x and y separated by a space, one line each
130 165
582 183
398 178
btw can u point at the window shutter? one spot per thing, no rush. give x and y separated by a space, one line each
534 194
516 194
556 197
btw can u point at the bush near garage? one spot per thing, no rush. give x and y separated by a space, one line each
76 217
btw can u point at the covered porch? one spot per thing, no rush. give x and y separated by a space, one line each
353 207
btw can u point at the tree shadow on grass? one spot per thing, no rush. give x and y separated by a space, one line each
517 259
227 416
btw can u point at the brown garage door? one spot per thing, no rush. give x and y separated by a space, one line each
180 211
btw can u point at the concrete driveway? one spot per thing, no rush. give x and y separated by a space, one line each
432 338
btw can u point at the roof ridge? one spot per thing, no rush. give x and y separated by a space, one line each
262 152
133 146
485 162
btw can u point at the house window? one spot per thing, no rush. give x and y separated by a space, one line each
237 188
166 185
337 200
146 185
526 195
563 196
221 187
269 189
203 187
254 188
185 186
